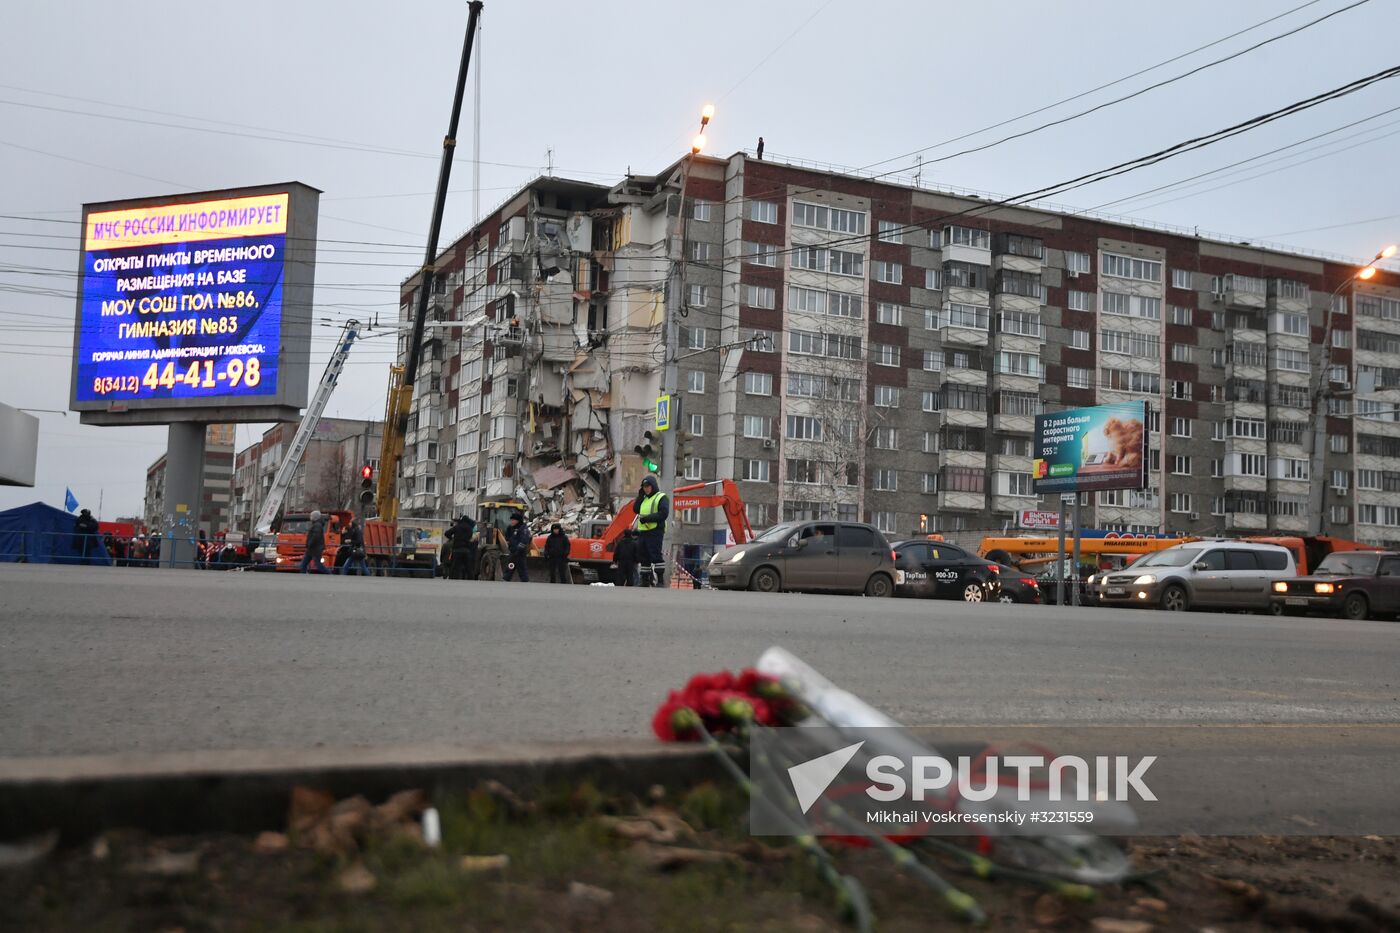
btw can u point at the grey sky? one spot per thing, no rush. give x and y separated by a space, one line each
613 84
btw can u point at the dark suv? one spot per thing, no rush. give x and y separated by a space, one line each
842 557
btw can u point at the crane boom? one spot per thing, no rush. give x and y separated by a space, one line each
282 480
401 379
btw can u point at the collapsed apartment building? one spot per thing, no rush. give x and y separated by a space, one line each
900 342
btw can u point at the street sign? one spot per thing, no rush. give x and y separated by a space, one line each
1037 518
663 413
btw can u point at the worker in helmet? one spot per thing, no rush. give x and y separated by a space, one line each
518 548
652 509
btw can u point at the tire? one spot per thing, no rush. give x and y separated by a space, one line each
1174 599
879 586
765 580
1276 608
974 592
1356 607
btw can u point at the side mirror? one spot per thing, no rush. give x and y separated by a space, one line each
797 543
1201 565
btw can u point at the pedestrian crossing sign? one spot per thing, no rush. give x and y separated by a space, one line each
663 413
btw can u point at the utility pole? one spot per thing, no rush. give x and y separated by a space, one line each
670 373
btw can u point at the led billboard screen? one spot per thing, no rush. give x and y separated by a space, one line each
196 302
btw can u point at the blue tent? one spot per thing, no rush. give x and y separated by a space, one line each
41 534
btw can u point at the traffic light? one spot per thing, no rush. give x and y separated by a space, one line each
647 451
685 449
366 485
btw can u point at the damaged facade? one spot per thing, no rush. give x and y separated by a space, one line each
910 337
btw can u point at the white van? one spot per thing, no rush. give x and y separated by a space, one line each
1236 575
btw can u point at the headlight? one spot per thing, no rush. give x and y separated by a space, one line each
1090 581
736 558
1144 580
1326 589
1280 587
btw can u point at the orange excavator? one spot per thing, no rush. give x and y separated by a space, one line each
591 549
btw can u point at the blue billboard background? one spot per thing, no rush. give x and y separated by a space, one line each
243 339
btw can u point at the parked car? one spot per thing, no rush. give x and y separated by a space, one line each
1017 586
1235 575
1351 585
841 557
939 570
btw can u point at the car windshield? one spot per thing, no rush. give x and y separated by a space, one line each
778 532
1349 565
294 526
1171 557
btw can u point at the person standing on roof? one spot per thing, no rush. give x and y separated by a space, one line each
652 509
518 546
315 543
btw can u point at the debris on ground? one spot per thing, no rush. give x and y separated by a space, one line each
27 851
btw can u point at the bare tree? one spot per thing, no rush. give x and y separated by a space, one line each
333 483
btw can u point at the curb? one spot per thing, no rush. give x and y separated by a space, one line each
246 792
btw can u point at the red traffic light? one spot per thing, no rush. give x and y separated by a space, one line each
367 471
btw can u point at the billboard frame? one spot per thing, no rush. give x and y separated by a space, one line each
293 352
1075 484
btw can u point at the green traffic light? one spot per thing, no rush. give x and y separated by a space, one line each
652 465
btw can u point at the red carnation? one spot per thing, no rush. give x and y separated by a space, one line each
675 720
719 680
757 684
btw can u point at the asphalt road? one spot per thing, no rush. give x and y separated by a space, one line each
96 660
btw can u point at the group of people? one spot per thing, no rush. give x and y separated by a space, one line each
352 544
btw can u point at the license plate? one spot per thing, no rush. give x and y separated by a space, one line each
1295 601
1117 591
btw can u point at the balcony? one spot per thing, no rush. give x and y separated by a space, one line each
1246 521
964 418
1013 424
1243 291
960 501
1245 484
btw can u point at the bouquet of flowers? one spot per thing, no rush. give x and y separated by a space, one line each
721 709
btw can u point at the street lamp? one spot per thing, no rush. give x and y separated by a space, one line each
1322 391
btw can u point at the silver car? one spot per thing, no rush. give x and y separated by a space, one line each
1236 575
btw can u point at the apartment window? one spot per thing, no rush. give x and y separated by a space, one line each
930 445
891 232
1079 340
1181 315
1079 301
1341 338
1339 514
967 236
1251 464
1341 479
1015 446
1019 364
933 361
887 438
1282 322
700 210
1181 466
929 483
963 479
759 514
1288 468
700 251
1077 378
1023 323
1181 427
758 384
964 398
1181 278
1077 262
1180 390
760 296
1387 309
694 468
760 254
803 428
1183 353
806 472
887 313
838 346
1025 404
1016 484
757 471
695 338
933 279
1145 346
968 316
886 397
1127 267
1247 427
696 383
1217 468
697 425
891 273
885 480
886 522
757 426
884 354
962 359
761 341
698 296
764 212
1180 502
1117 303
930 400
1339 443
430 485
1339 374
1291 360
835 261
1125 380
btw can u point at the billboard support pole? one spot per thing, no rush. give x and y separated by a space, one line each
1078 539
1060 557
184 481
